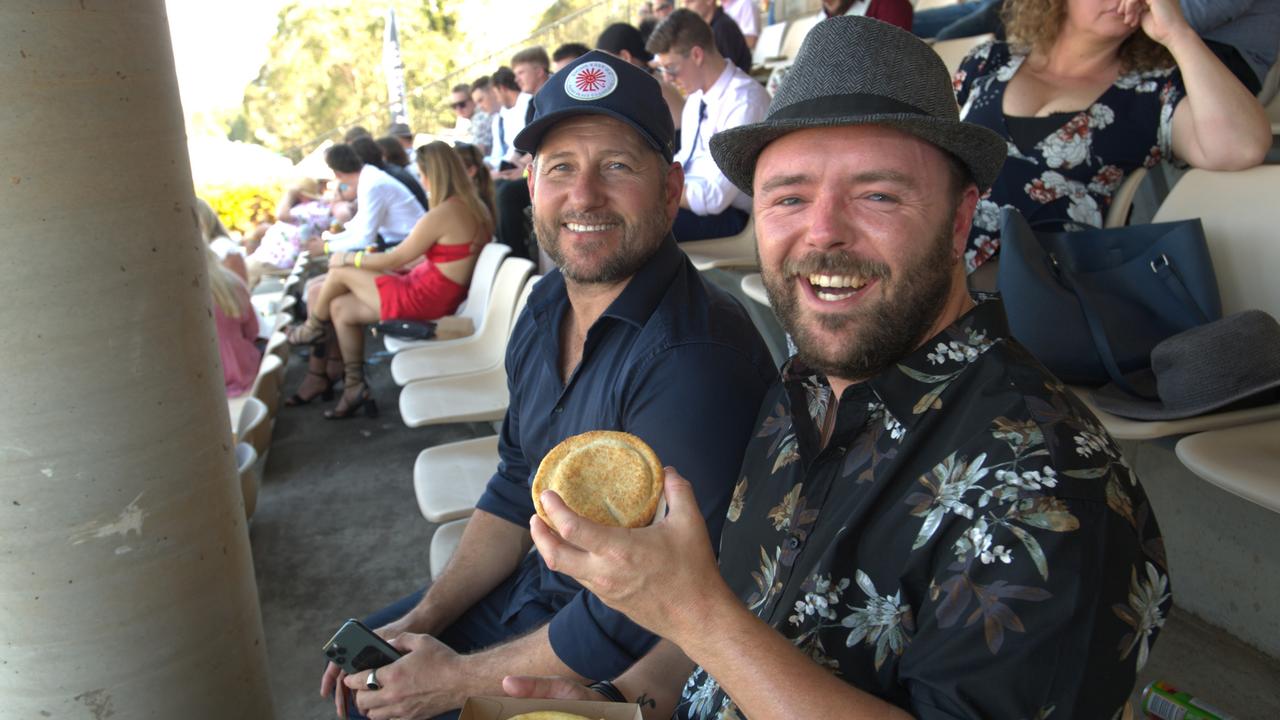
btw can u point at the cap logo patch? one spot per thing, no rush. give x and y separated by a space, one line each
591 81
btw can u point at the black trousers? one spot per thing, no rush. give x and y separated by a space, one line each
514 229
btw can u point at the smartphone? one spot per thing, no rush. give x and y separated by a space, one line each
356 648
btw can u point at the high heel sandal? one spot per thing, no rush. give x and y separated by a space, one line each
326 394
364 401
309 332
353 381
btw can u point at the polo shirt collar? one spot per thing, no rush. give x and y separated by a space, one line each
913 386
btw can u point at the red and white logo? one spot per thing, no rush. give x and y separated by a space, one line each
591 81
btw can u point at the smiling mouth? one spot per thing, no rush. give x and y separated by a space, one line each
833 288
581 228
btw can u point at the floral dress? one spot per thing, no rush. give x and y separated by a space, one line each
969 543
1068 178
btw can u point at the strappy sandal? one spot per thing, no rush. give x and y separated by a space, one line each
348 408
326 394
308 333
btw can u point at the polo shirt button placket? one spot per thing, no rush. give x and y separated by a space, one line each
793 542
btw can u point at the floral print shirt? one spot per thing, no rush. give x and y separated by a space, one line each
968 544
1070 176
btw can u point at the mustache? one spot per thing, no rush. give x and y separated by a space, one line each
837 262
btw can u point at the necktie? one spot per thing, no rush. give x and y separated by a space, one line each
502 135
697 132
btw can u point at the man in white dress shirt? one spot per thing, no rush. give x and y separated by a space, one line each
386 210
720 96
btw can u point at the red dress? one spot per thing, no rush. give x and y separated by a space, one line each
424 293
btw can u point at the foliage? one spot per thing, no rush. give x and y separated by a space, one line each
583 28
242 207
324 72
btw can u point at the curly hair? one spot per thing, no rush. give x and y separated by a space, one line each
1034 24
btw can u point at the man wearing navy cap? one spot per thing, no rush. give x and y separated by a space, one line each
624 336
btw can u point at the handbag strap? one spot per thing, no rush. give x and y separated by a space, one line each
1163 270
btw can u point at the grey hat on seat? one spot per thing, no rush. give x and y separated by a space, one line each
857 71
1229 363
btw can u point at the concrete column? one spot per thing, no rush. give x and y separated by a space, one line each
126 582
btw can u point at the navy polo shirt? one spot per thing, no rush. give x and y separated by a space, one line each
673 360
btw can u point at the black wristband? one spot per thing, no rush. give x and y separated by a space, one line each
609 690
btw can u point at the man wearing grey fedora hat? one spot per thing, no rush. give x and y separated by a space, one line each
927 524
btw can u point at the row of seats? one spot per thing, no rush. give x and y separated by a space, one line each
462 380
253 413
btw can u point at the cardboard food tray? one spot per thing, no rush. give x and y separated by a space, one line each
502 708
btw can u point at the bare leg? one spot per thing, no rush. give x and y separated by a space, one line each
338 283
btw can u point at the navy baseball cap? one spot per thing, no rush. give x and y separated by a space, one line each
601 84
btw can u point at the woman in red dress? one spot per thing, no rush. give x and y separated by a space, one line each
364 287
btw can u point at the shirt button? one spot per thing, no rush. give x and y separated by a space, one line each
793 542
559 409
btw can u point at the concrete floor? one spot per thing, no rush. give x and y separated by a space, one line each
337 533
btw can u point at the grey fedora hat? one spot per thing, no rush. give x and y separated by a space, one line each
857 71
1233 362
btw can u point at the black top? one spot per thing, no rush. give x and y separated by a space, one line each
408 181
968 544
729 40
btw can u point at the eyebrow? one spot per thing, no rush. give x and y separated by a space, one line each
869 176
607 152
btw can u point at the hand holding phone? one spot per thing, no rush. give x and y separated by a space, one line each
355 648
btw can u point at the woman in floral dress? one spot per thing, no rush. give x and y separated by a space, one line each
1087 91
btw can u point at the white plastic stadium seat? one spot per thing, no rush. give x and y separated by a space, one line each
449 479
477 303
769 45
1122 201
753 287
253 426
794 38
480 351
735 251
443 543
1243 460
954 51
247 468
474 397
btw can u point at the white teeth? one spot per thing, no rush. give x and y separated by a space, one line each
837 281
575 227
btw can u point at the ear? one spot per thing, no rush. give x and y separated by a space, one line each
963 220
675 189
697 54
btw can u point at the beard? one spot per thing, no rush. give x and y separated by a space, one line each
873 335
596 262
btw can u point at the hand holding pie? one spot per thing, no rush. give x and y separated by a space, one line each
609 477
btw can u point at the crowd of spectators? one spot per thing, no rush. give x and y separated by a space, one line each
1081 93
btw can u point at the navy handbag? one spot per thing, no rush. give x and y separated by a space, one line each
1092 304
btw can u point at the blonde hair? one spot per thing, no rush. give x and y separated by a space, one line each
471 158
223 285
446 177
210 226
1035 24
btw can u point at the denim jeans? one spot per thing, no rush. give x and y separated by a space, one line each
938 22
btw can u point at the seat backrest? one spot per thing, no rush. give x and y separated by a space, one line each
486 269
245 456
1122 202
1270 88
796 33
1241 216
922 5
769 44
524 298
953 52
511 278
252 426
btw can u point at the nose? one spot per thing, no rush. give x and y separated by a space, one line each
831 225
585 192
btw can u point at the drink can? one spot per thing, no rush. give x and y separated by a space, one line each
1162 700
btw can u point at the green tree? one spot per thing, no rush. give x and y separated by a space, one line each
581 20
324 72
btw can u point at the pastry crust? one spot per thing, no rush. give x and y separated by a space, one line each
609 477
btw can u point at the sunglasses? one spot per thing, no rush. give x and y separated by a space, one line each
459 105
